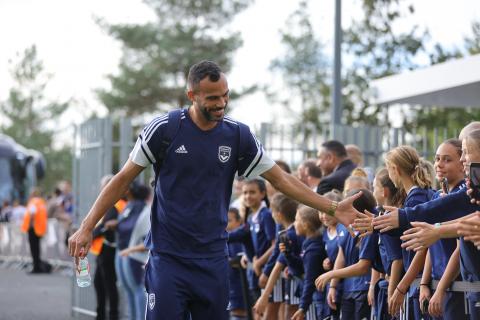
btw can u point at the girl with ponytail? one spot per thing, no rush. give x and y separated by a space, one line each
411 174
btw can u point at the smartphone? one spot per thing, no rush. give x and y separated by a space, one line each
283 238
444 184
474 176
424 307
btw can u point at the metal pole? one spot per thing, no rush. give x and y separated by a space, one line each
336 109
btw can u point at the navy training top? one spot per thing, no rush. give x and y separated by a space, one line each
442 250
267 269
331 247
194 185
235 285
262 230
353 249
293 258
415 196
313 254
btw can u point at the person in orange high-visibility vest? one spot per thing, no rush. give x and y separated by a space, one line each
35 224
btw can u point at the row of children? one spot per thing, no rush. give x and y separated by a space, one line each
303 264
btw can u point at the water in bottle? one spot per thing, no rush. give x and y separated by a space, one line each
83 273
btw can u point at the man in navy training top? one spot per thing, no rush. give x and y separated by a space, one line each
187 273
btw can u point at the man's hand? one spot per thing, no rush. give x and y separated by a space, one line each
346 213
322 280
79 243
421 236
388 221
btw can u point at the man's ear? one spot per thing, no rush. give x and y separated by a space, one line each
190 95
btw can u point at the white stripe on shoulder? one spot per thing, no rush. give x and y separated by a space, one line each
153 123
230 121
150 135
256 156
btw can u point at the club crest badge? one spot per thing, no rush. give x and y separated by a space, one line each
151 301
224 153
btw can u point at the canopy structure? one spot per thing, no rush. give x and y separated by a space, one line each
453 83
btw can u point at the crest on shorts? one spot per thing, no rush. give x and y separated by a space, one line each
224 153
151 301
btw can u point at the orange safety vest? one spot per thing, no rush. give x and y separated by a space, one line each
40 217
97 243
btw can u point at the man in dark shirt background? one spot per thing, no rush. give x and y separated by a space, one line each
335 165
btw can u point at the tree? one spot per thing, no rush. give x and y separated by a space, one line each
156 55
30 116
303 68
377 50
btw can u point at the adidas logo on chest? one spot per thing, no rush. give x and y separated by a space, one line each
181 149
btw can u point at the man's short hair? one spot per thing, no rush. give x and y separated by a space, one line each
200 71
312 169
336 147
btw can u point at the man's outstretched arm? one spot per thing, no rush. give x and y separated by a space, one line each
295 189
79 243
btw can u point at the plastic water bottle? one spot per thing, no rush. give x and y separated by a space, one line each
83 273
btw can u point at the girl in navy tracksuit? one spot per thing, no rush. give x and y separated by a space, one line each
294 244
353 263
447 166
307 224
259 231
331 233
410 173
237 306
390 249
283 211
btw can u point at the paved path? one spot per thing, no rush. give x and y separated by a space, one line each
28 297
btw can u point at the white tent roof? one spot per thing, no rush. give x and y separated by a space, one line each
452 83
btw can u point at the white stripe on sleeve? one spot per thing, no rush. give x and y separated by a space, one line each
138 156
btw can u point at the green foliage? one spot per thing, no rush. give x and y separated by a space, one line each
377 50
30 115
304 71
156 55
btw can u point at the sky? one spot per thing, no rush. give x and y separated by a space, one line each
79 54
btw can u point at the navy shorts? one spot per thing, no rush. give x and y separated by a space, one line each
182 288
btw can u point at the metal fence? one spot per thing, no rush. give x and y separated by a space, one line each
96 154
295 145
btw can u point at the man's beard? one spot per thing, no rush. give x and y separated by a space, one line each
208 113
